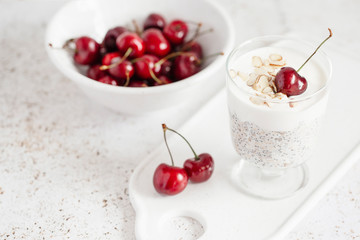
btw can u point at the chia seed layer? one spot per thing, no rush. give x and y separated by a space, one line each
274 149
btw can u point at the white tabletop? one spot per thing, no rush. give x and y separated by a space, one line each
65 162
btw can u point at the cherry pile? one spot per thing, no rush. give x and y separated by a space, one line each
158 54
171 180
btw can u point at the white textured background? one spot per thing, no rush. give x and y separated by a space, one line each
65 162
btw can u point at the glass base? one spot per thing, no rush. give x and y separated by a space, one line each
270 183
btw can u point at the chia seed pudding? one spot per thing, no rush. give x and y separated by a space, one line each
274 149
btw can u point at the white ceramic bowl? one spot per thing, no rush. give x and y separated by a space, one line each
94 17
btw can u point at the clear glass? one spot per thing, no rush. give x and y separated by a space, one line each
276 137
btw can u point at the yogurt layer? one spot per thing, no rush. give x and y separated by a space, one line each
284 114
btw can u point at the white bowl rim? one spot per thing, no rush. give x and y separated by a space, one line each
84 80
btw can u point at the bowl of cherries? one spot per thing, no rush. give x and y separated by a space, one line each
141 56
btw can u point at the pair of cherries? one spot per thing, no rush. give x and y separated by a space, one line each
171 180
155 55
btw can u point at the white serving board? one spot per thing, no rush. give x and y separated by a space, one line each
224 211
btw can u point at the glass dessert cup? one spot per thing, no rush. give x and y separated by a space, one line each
274 137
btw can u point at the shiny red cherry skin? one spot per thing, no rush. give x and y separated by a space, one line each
155 42
122 70
138 83
109 80
199 170
169 180
288 81
164 80
109 41
87 50
185 66
95 73
111 58
166 69
194 47
144 64
131 40
154 20
176 32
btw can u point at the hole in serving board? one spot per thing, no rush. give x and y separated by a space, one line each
181 227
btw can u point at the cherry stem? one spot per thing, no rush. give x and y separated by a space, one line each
68 42
156 79
137 28
196 156
164 129
127 79
210 56
330 35
193 22
171 55
197 31
189 43
205 32
106 67
135 60
66 46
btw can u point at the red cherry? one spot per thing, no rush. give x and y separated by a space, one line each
194 47
199 170
154 20
289 82
94 72
131 40
144 64
166 68
176 32
109 41
118 67
122 70
169 180
108 80
186 65
138 83
86 50
155 42
111 58
163 80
